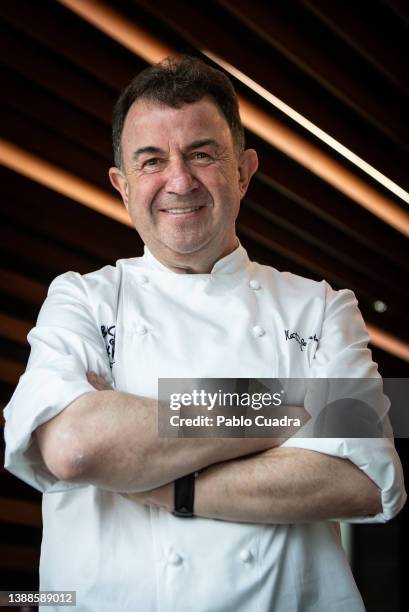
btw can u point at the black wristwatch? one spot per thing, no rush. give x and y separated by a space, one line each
185 495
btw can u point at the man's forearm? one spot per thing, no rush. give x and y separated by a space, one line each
110 439
282 485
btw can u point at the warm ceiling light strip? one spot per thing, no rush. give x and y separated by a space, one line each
79 190
64 182
388 343
323 166
152 50
121 29
310 127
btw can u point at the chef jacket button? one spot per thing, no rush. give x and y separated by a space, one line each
175 559
141 329
258 331
143 279
254 284
246 556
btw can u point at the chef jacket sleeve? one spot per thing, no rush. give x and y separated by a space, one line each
64 344
343 352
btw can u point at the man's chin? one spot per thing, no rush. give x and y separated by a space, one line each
186 247
186 250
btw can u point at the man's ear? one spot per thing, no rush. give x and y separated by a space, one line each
248 164
120 183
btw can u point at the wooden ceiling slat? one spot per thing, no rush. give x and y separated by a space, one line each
56 75
61 219
263 256
339 173
37 169
197 25
20 512
14 329
372 29
22 286
16 351
10 371
340 69
270 238
12 487
13 580
401 9
51 147
62 32
285 212
20 534
49 257
6 391
45 109
390 366
20 308
327 203
19 558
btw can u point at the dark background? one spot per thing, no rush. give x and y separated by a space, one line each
338 63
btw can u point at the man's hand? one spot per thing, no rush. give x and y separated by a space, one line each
98 382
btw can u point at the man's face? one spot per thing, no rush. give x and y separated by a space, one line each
182 180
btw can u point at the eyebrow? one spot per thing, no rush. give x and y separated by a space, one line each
196 144
202 142
149 150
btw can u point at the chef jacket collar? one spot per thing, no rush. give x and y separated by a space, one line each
233 262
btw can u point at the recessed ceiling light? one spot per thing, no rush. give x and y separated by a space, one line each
379 306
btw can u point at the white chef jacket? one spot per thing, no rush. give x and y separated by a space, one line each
146 322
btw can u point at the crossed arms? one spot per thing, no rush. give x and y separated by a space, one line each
109 439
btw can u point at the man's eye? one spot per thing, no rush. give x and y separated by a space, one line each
201 155
153 161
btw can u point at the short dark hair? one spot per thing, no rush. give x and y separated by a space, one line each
173 82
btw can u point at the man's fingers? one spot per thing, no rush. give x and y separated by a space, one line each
98 382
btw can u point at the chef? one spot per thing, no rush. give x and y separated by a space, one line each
136 522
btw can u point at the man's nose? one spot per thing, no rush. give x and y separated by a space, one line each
179 178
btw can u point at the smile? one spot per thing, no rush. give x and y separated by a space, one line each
182 211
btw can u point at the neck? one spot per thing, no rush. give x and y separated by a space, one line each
191 263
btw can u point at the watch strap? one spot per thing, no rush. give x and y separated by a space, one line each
185 495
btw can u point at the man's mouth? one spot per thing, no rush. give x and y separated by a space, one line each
182 211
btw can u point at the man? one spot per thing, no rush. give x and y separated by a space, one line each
194 306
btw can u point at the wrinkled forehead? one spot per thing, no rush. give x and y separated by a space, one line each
152 124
